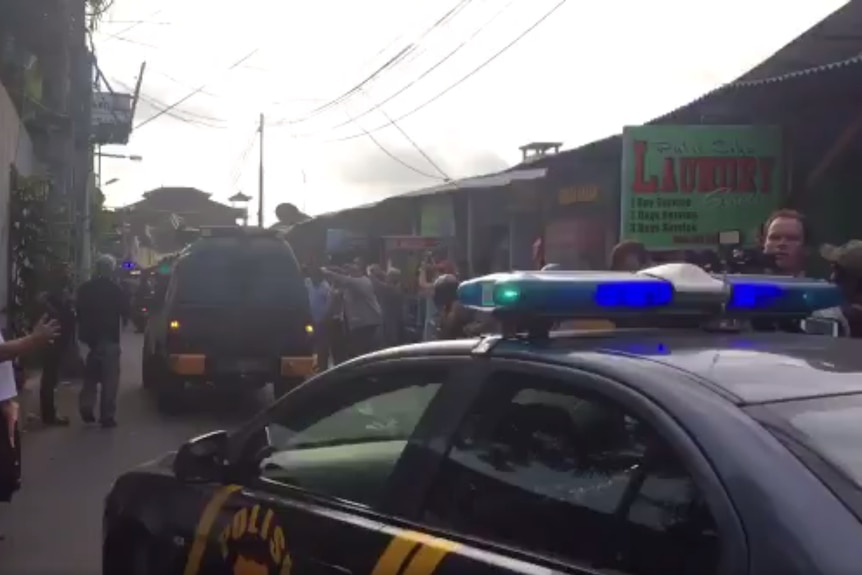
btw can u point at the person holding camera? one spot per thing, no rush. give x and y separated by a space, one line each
846 264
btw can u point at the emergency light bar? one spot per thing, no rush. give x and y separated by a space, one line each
666 290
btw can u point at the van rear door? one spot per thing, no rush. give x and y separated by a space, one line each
240 299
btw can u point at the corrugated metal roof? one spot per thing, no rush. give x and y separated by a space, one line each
495 180
746 84
833 39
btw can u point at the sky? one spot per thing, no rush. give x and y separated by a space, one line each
586 71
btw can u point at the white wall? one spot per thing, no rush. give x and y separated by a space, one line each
15 149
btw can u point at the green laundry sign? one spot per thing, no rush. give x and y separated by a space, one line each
682 185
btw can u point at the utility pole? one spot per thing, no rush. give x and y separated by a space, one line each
260 177
137 94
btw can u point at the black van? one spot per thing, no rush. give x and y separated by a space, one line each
235 314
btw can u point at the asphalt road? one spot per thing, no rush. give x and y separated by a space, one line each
53 525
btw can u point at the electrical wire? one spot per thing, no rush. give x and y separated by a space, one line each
393 156
428 71
185 116
454 85
388 65
194 92
134 25
413 143
239 166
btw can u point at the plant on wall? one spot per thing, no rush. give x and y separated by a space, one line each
35 248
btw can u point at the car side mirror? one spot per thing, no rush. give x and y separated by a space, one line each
203 459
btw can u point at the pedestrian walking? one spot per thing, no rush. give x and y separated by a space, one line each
102 309
362 310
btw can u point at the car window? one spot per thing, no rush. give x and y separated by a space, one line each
573 476
349 446
238 273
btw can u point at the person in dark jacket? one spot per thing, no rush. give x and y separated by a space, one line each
58 306
102 309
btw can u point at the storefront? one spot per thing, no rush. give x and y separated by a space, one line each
581 209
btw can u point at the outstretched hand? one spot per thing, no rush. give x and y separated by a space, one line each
46 330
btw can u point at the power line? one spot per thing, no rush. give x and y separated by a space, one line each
135 24
428 71
389 64
412 143
193 93
238 168
177 114
393 156
460 81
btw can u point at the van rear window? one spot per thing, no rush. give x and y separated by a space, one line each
234 273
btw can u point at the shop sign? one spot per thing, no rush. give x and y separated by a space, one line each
111 118
437 217
682 185
578 195
412 243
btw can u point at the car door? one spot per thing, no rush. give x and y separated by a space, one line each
564 466
314 506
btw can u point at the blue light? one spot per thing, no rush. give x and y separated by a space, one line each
634 294
780 296
128 265
566 294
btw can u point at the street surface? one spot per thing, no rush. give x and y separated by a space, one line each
53 525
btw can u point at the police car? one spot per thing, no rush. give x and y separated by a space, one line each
698 447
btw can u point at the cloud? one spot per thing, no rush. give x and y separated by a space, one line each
373 168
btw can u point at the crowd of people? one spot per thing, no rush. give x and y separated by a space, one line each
358 308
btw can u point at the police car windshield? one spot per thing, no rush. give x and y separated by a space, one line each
247 271
831 427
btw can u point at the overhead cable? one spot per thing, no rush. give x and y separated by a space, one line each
454 85
412 143
389 64
428 71
194 92
392 156
239 166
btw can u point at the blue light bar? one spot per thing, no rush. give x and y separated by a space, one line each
566 294
664 290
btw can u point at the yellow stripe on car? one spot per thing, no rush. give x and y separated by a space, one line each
205 525
431 551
